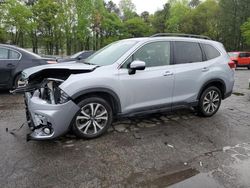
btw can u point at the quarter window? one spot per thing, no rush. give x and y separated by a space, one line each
3 53
14 55
210 51
153 54
187 52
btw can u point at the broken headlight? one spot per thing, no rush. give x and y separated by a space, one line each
52 93
63 97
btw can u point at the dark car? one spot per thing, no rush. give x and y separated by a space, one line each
13 60
77 57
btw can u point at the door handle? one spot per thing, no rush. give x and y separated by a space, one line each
10 65
168 73
205 69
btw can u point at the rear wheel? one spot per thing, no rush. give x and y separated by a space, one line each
210 102
248 67
18 81
93 119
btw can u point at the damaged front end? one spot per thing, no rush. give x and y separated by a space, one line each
49 110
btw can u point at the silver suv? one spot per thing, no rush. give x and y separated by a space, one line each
127 78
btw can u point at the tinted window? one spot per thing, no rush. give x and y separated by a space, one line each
210 51
3 53
13 55
187 52
153 54
243 54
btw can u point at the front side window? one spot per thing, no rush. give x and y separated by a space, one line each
210 51
4 53
13 55
153 54
187 52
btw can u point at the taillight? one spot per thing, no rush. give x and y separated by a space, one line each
51 62
232 65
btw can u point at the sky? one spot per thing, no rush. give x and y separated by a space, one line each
146 5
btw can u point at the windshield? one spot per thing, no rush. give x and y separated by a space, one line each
75 55
233 54
111 53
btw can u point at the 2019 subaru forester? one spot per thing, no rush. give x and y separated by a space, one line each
126 78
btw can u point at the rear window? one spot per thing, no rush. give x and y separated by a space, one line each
187 52
244 55
210 51
233 54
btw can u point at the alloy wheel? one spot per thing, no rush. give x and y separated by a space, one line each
211 102
92 119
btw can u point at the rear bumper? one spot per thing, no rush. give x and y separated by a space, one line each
48 121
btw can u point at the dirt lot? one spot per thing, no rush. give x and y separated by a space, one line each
155 151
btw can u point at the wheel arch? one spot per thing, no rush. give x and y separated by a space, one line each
219 83
107 94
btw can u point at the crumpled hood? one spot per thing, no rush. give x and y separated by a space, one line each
53 69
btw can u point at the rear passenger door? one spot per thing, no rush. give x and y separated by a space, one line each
8 62
190 68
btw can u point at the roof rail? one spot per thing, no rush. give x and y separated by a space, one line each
180 35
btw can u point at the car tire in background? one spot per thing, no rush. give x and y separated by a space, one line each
17 82
93 119
209 102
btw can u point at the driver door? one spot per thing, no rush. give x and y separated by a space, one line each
151 88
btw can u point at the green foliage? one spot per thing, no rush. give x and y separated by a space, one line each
245 28
233 13
128 9
136 27
179 10
16 18
69 26
159 18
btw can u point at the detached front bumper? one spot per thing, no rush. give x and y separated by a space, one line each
48 121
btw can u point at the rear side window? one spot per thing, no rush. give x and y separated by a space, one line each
14 55
187 52
243 55
210 51
4 53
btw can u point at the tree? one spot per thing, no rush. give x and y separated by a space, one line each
178 11
145 16
159 19
233 13
46 15
128 9
16 19
203 20
112 8
136 27
194 3
245 28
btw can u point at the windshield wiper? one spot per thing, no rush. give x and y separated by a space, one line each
85 62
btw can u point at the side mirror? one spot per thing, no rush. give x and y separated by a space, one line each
136 65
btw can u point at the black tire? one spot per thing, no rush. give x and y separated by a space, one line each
248 67
89 121
17 79
208 106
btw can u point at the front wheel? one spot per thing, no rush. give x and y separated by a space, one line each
209 102
93 119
